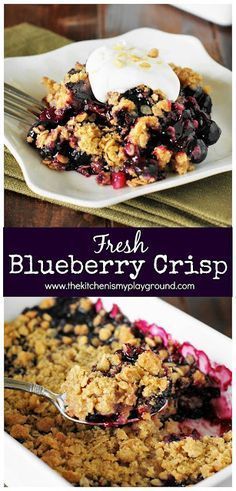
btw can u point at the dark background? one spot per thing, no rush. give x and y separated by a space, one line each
80 22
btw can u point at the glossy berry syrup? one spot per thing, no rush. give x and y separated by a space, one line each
186 127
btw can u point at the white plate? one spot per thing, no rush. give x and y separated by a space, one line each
71 187
219 14
28 468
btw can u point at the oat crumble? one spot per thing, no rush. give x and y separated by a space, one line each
133 139
117 387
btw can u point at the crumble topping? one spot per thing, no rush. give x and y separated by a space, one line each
163 156
139 135
47 343
115 388
58 94
181 163
187 76
118 140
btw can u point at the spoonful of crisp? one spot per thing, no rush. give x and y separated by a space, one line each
119 389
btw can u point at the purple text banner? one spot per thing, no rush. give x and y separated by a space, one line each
120 261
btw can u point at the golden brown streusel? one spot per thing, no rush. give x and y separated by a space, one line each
181 163
163 156
139 134
187 76
58 94
100 391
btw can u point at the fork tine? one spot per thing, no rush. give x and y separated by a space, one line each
15 104
18 118
20 106
19 110
21 103
19 115
9 89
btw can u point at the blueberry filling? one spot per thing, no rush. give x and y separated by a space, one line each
185 128
190 400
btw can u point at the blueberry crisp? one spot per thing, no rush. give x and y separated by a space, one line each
136 133
120 387
77 344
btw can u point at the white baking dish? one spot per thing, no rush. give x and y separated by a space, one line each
30 470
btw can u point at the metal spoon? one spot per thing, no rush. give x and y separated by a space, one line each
59 402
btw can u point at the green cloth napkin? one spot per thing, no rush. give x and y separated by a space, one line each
202 203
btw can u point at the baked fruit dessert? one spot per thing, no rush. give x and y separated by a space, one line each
120 388
127 117
187 441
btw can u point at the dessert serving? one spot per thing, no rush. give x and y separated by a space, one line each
119 388
127 117
115 369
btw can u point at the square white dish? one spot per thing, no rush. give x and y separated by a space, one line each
29 470
26 73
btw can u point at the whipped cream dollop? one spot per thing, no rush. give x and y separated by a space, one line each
121 67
